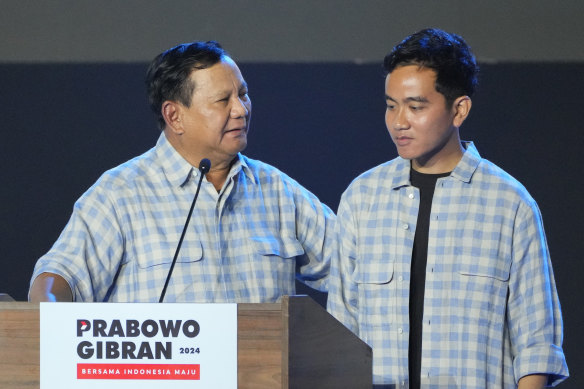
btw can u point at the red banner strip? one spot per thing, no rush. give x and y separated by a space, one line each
118 371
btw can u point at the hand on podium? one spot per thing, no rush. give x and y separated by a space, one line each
50 287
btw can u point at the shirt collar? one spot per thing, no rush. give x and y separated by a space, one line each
468 164
242 163
402 176
179 171
463 171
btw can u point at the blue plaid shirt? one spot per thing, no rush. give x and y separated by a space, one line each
491 311
247 243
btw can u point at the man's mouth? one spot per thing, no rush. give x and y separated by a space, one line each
402 140
236 131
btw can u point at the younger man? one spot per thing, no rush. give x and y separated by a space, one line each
443 265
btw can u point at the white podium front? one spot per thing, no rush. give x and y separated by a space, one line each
138 346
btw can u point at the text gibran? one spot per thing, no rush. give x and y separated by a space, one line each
129 349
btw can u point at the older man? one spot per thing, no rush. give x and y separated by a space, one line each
253 230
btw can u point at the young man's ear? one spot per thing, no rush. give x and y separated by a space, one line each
461 107
171 112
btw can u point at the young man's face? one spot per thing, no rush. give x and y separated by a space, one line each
422 127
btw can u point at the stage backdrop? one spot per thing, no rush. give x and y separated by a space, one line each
64 124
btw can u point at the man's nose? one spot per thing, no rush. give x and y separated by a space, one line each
400 121
239 108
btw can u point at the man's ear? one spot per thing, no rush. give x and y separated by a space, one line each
171 112
461 107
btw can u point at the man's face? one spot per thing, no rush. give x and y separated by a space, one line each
418 120
217 121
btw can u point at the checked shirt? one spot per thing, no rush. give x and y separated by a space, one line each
491 311
247 243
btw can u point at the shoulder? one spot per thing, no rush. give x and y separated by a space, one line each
491 180
504 191
494 179
385 170
125 177
266 174
271 180
380 177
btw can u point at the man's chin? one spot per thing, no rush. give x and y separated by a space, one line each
238 148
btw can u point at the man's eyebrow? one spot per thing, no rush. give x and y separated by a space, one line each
415 99
222 93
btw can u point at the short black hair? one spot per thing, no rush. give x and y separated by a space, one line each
167 77
447 54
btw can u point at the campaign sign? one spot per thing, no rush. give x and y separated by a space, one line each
126 345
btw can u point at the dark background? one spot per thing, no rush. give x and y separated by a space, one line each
323 124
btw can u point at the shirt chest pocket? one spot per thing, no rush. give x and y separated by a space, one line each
271 245
373 270
483 284
484 267
484 281
271 264
162 253
374 278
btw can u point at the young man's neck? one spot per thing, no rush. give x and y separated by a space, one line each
442 162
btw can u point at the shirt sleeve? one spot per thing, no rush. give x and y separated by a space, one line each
534 314
89 250
343 293
315 231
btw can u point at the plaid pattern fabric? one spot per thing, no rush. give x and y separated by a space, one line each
247 243
491 311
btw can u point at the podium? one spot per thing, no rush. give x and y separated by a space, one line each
291 344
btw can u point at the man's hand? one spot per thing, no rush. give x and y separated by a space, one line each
534 381
50 287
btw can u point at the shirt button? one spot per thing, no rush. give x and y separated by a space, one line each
400 331
411 195
400 278
405 226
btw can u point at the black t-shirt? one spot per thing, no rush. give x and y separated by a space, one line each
426 184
